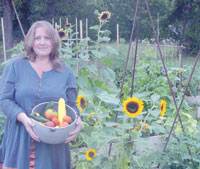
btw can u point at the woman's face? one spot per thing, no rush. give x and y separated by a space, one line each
42 45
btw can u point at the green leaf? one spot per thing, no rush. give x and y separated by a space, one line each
154 113
108 98
98 54
82 81
87 93
84 55
95 27
155 97
93 69
108 73
84 73
110 124
104 39
112 50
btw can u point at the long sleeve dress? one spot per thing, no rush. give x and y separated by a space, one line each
20 90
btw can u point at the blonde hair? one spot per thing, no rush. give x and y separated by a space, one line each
55 41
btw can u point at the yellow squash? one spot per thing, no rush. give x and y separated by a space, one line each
61 110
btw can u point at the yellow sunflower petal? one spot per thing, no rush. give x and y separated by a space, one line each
81 102
104 16
62 34
91 153
133 107
162 107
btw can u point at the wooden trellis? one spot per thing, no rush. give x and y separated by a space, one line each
139 5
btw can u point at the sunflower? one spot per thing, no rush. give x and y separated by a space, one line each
133 107
68 25
162 107
62 34
91 153
92 121
104 16
82 102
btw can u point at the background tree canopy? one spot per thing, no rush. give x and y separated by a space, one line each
178 19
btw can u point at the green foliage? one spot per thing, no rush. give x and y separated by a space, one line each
98 69
184 21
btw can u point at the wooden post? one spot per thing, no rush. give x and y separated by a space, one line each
53 22
56 25
77 66
13 4
158 33
86 30
117 36
3 36
181 65
81 30
60 23
76 31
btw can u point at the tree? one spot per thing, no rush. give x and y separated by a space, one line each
7 15
184 21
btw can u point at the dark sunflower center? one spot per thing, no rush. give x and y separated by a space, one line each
132 107
82 103
161 107
91 154
61 34
104 16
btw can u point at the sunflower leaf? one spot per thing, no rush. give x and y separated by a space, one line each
97 53
112 50
93 69
155 97
82 81
104 39
108 98
108 73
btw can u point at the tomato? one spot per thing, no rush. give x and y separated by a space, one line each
50 113
67 119
55 121
50 124
64 124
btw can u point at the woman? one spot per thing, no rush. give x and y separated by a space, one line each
25 81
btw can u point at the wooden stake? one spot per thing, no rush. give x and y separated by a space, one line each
76 31
3 36
81 30
13 4
77 66
56 25
53 22
181 64
86 27
60 23
117 36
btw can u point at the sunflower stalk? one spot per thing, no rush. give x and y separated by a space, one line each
98 35
121 152
145 119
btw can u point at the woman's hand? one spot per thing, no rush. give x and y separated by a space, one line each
28 124
74 133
